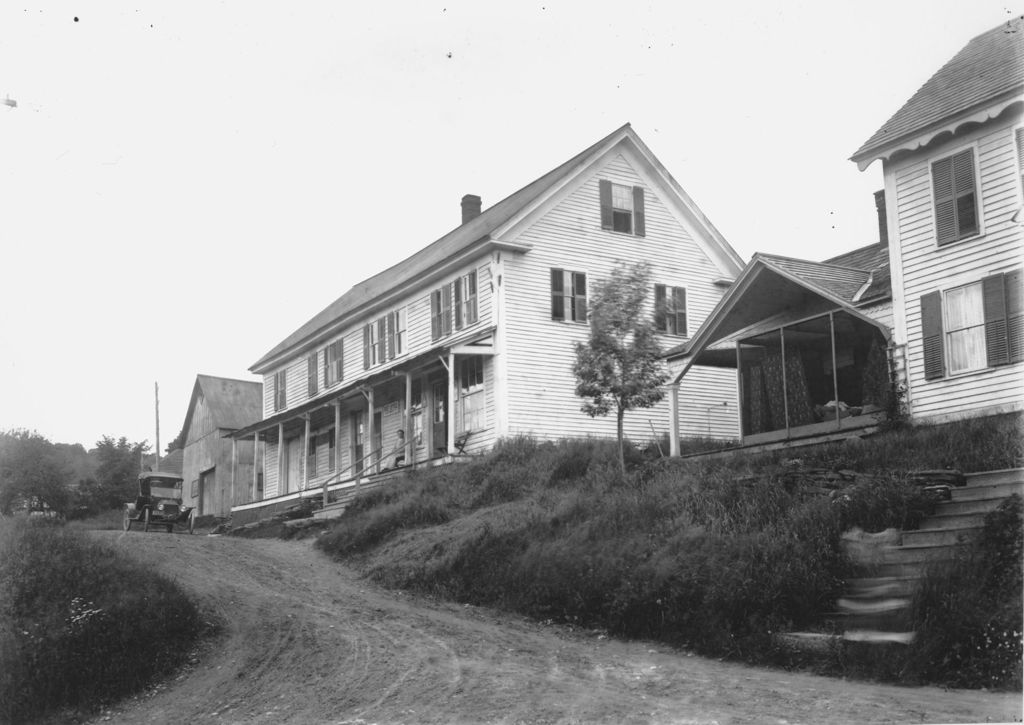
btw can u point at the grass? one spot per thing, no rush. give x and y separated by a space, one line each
714 554
80 624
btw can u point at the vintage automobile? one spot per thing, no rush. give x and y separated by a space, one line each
159 503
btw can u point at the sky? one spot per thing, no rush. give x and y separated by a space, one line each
182 186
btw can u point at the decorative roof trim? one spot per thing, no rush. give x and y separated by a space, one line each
920 139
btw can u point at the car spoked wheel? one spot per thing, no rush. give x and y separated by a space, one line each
145 521
127 521
192 522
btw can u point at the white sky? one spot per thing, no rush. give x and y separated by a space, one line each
182 187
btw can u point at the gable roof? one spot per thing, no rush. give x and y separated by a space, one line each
988 70
851 280
233 404
469 237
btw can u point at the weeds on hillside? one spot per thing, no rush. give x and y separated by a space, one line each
79 623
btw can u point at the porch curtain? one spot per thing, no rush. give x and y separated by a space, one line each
796 392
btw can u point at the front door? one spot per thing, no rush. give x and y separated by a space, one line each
378 439
357 442
208 492
294 473
439 415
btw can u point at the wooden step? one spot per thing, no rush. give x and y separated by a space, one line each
886 586
976 506
998 490
1005 475
941 536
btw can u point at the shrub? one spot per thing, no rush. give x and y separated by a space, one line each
79 623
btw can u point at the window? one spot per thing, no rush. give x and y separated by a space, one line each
384 338
311 375
441 312
568 295
396 333
333 363
471 387
280 392
956 203
311 456
670 309
622 208
331 460
417 412
465 300
973 326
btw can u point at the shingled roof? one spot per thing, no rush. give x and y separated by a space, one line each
988 69
455 241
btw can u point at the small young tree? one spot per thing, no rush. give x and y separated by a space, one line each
619 367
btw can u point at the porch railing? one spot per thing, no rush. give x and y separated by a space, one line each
339 476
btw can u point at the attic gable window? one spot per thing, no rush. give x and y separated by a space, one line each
670 309
622 208
956 200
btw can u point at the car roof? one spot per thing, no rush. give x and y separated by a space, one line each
166 475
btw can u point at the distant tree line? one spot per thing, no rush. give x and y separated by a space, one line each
37 475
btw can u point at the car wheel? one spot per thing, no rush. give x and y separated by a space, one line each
127 521
145 521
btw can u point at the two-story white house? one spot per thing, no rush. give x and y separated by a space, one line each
471 338
953 159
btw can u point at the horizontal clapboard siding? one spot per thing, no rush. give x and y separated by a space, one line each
418 340
540 385
927 267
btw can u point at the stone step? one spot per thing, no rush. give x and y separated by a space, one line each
1005 475
877 636
976 506
872 606
940 536
888 586
998 490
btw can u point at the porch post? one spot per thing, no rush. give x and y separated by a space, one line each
234 469
739 388
451 404
785 389
673 419
337 436
255 468
305 453
409 447
373 467
835 380
282 482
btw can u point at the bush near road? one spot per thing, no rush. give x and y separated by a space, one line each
80 624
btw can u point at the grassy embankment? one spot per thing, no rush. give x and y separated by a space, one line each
81 624
714 555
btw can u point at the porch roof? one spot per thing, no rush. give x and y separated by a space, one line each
471 344
779 288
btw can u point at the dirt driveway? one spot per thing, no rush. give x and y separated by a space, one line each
308 641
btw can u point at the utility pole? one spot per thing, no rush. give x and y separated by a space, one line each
156 394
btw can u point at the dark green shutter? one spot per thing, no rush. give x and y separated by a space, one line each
446 310
945 202
579 290
605 191
366 347
639 225
557 295
993 298
679 302
311 374
931 335
660 321
391 325
458 303
1014 314
435 314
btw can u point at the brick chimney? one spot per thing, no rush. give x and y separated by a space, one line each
470 207
883 224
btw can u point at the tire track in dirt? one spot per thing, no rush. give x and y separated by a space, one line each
305 640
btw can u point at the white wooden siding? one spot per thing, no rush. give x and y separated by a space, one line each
539 351
927 267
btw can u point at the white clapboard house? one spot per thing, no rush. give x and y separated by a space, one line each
471 338
936 302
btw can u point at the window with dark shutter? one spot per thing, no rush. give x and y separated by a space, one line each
557 294
446 310
639 221
435 314
670 309
392 327
470 301
997 347
366 346
333 363
280 390
568 296
1014 314
679 310
579 296
956 203
380 333
458 304
931 335
311 375
605 193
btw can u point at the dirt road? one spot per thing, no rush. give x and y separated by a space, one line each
308 641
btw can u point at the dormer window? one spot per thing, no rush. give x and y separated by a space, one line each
622 208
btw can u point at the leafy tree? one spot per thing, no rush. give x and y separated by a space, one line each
33 473
117 470
619 368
